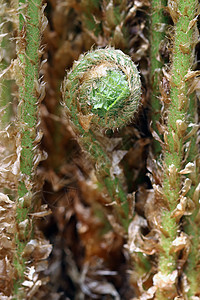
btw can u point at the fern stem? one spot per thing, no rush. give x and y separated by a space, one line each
182 12
192 226
5 84
29 59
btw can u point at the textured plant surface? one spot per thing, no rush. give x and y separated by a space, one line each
5 57
122 173
101 84
23 247
177 189
179 183
29 156
102 92
158 22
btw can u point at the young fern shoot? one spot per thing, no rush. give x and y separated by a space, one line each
102 91
31 23
180 191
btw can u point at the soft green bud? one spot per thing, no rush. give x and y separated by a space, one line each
103 89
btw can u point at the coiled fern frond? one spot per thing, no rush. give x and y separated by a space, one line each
103 89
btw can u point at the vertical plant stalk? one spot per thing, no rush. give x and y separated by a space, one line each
28 50
5 84
174 181
106 20
91 13
102 92
192 222
157 31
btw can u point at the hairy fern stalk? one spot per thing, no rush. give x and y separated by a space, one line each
29 63
179 192
22 156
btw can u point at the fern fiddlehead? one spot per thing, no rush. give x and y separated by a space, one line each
102 91
103 81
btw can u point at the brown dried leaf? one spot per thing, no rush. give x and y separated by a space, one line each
173 10
180 243
149 294
117 156
40 250
44 211
165 281
189 168
136 241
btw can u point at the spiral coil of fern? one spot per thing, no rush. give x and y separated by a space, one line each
102 91
102 83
